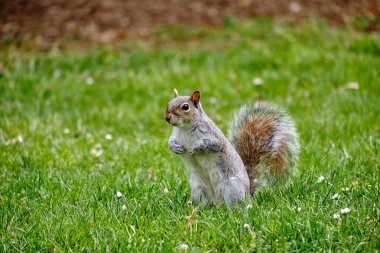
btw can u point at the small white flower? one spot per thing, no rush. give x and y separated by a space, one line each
336 216
249 206
166 190
57 73
15 140
320 179
119 194
124 207
89 81
335 196
20 139
96 152
299 209
345 189
257 81
183 248
345 210
66 131
295 7
108 137
352 85
99 165
213 100
246 225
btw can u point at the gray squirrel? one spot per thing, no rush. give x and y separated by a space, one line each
263 144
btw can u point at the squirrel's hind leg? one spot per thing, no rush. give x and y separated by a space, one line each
235 192
198 193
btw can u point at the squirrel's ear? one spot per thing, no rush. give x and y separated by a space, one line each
196 97
175 93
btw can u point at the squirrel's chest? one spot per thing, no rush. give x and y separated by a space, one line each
186 140
205 165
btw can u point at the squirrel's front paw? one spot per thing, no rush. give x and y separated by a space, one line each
178 149
195 150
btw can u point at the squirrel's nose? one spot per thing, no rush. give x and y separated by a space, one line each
167 117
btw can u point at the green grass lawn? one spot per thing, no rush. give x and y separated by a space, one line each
59 174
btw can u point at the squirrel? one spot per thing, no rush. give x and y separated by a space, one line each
263 144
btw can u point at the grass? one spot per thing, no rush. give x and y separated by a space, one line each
55 195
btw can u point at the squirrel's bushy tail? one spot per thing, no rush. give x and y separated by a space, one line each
267 141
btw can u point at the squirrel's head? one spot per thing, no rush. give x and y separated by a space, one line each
182 110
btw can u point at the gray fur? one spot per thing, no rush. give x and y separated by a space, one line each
217 174
217 171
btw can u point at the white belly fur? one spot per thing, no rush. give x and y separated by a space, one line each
204 171
206 174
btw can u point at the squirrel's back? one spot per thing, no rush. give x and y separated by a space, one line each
267 141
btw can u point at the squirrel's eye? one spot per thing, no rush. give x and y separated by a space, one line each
185 107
